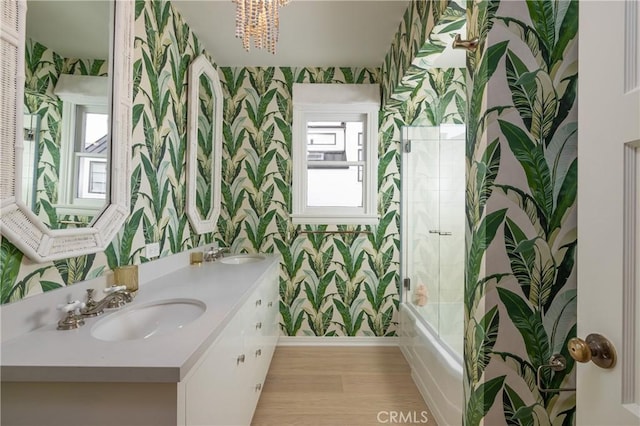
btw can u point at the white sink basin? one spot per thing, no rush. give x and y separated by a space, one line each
239 259
149 319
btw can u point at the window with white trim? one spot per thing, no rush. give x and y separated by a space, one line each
335 139
84 150
90 152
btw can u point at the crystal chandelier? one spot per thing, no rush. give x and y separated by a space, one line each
258 19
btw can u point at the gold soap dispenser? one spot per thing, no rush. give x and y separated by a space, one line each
128 276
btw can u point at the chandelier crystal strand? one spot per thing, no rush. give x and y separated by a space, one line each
258 19
260 25
239 18
275 25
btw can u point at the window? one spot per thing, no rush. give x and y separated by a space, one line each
335 139
84 150
90 151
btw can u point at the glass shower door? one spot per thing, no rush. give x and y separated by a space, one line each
433 191
452 185
420 172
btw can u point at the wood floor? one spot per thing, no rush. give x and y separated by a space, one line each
340 386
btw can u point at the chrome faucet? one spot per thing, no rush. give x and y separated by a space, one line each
116 297
75 311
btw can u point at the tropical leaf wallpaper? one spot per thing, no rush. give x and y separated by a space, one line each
204 157
164 48
520 285
520 292
330 284
425 31
43 68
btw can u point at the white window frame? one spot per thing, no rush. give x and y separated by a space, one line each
79 94
335 102
83 165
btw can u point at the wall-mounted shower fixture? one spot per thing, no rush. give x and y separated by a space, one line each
470 45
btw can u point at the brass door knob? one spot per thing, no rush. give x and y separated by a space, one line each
579 350
596 348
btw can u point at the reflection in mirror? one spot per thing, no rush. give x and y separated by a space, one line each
67 89
206 125
30 158
205 146
31 219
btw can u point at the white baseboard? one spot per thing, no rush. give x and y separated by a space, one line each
337 341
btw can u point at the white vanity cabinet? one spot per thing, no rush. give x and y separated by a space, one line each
210 373
224 387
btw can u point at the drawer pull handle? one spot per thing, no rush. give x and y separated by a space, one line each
270 304
258 352
258 387
240 359
259 302
258 326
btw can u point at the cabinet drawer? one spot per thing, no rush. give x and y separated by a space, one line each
210 391
225 386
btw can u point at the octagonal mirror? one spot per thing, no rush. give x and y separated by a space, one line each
65 119
204 156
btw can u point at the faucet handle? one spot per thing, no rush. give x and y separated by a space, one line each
73 319
73 306
114 288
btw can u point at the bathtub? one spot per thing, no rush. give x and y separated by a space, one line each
435 369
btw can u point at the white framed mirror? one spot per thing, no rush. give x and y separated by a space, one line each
27 230
204 149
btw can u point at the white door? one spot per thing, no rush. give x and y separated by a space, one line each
608 216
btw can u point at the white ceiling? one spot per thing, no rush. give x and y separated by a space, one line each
72 29
354 33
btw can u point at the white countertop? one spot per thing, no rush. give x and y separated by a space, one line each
47 354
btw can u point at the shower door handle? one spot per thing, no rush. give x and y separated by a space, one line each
439 232
407 283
